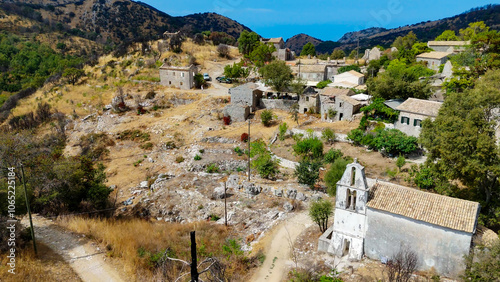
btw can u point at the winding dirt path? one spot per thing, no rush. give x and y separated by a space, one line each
87 260
277 248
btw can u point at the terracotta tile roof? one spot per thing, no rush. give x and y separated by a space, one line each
448 43
434 55
355 73
419 106
334 91
180 68
349 100
435 209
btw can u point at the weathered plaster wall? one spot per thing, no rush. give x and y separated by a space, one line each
409 129
435 246
177 78
246 96
237 112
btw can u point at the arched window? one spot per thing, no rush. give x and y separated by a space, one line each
353 201
353 176
348 198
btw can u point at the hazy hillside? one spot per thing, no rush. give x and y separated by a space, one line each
118 20
296 42
425 31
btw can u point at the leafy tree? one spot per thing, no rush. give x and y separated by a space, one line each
277 74
236 71
247 42
266 116
400 162
199 39
349 68
219 37
328 135
447 35
308 49
262 161
199 81
395 142
334 174
294 111
262 54
338 54
419 48
298 86
405 42
307 172
176 42
320 212
310 148
73 74
353 54
461 142
473 29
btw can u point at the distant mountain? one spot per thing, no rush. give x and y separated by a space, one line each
425 31
298 41
119 20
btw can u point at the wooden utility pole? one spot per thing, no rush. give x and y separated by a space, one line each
29 211
194 262
248 140
225 204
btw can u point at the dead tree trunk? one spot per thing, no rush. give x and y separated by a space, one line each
194 262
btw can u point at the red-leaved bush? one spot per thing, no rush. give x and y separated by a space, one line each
244 137
227 120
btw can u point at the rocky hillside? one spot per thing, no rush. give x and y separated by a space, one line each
118 20
425 31
296 42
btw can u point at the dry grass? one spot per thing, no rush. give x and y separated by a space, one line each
48 267
135 242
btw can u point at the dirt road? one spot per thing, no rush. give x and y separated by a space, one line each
277 248
86 260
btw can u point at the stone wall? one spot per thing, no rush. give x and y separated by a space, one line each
409 129
237 112
279 104
436 247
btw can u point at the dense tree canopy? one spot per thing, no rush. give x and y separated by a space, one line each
277 74
247 42
462 143
338 54
308 49
447 35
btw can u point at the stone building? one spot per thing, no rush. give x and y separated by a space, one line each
377 219
278 42
372 54
312 73
346 107
178 77
309 101
412 112
434 59
327 101
448 46
247 94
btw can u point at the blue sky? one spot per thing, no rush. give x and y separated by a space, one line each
324 19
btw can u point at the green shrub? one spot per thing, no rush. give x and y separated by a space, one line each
332 155
328 135
400 162
238 151
201 151
197 157
356 135
212 168
334 174
309 148
395 142
266 117
307 172
323 84
282 128
146 146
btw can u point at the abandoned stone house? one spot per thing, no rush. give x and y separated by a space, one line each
311 73
178 77
412 112
434 59
372 54
377 219
328 108
281 52
448 46
309 101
